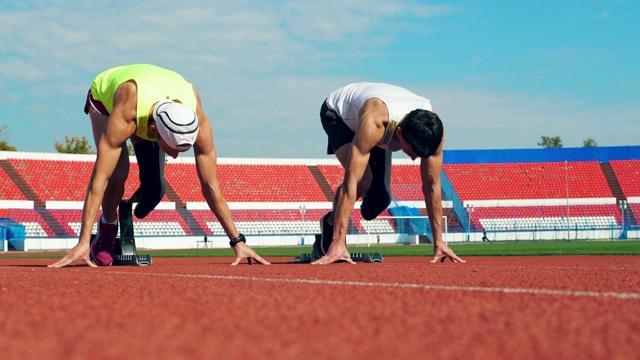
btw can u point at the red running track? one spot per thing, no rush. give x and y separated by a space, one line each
555 307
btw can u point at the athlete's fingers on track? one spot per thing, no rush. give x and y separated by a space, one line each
330 259
255 257
442 258
455 258
69 258
62 262
327 259
66 260
244 252
57 264
260 260
349 260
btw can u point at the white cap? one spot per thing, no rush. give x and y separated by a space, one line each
177 124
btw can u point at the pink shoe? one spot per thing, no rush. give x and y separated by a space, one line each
103 246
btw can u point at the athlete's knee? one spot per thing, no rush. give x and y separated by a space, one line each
374 203
144 208
149 196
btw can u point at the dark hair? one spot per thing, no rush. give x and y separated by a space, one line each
422 129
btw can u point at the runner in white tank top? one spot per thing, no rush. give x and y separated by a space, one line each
364 122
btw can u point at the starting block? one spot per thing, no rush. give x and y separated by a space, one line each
126 253
367 257
357 257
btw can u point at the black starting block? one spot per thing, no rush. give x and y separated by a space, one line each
126 253
367 257
357 257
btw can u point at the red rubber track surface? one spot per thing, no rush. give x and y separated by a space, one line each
555 307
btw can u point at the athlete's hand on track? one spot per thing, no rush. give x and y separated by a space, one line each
337 251
78 252
443 252
243 251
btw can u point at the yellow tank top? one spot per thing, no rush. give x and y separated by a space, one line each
154 83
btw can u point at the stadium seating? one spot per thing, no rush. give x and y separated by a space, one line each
628 174
259 185
552 180
35 225
9 190
55 180
60 180
68 217
249 183
157 223
278 222
263 222
376 226
161 223
535 181
635 211
334 174
546 217
406 183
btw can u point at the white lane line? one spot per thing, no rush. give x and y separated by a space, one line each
569 293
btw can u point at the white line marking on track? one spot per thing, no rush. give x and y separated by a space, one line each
569 293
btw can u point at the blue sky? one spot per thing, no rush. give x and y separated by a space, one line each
500 73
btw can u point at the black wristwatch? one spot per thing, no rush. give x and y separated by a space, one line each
235 241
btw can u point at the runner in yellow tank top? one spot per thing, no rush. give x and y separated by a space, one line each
161 114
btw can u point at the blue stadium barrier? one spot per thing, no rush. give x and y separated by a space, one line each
11 230
495 156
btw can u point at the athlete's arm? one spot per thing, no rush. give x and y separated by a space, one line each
110 137
121 125
206 167
430 169
373 119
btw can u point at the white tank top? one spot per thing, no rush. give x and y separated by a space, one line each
348 100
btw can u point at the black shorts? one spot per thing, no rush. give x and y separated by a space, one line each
378 196
337 131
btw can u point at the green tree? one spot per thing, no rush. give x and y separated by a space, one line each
550 142
589 142
74 145
4 140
